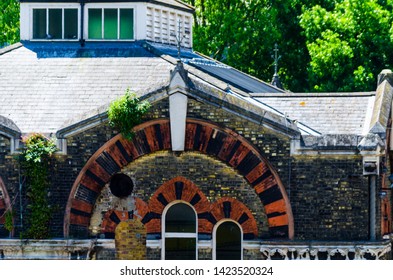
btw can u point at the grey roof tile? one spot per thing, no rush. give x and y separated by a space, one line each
326 113
42 93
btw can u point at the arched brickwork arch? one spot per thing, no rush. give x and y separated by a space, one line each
113 217
5 202
201 136
178 188
230 208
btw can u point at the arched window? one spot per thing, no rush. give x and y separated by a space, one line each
228 241
179 232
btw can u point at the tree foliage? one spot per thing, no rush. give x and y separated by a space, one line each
9 22
348 45
328 45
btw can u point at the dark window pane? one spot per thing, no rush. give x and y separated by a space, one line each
55 24
39 23
180 248
95 23
180 218
70 24
228 242
110 23
126 24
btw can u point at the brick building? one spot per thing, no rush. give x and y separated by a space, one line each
223 166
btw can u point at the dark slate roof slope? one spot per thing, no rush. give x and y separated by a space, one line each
229 75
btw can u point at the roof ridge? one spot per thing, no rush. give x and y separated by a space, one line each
10 48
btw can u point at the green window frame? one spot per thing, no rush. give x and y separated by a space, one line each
55 23
110 24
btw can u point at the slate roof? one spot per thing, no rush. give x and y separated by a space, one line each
45 87
40 94
323 113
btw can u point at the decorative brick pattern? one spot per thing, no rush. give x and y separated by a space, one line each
230 208
170 191
201 136
4 205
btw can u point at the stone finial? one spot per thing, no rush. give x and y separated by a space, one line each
385 74
276 81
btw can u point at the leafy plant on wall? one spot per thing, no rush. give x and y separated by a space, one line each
9 221
126 112
36 160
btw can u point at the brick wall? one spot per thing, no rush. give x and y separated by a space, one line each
9 174
130 240
329 196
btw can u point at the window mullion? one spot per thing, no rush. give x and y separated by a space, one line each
118 23
102 24
47 24
62 23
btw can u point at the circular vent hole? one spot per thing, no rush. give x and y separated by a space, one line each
121 185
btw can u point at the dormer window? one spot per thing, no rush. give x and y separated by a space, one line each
110 24
55 24
101 20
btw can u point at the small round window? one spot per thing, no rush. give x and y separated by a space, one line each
121 185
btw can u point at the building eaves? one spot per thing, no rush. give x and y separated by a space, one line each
10 48
238 105
9 128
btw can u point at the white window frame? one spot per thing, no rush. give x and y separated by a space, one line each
49 6
103 6
215 237
165 235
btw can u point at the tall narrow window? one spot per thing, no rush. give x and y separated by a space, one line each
126 23
111 24
55 24
39 23
70 23
95 23
228 239
180 233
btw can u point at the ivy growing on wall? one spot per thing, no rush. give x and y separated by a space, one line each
9 221
126 112
35 159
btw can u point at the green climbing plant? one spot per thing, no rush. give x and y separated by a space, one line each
35 159
126 112
9 221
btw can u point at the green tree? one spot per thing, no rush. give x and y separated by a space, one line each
9 22
237 32
243 33
348 45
